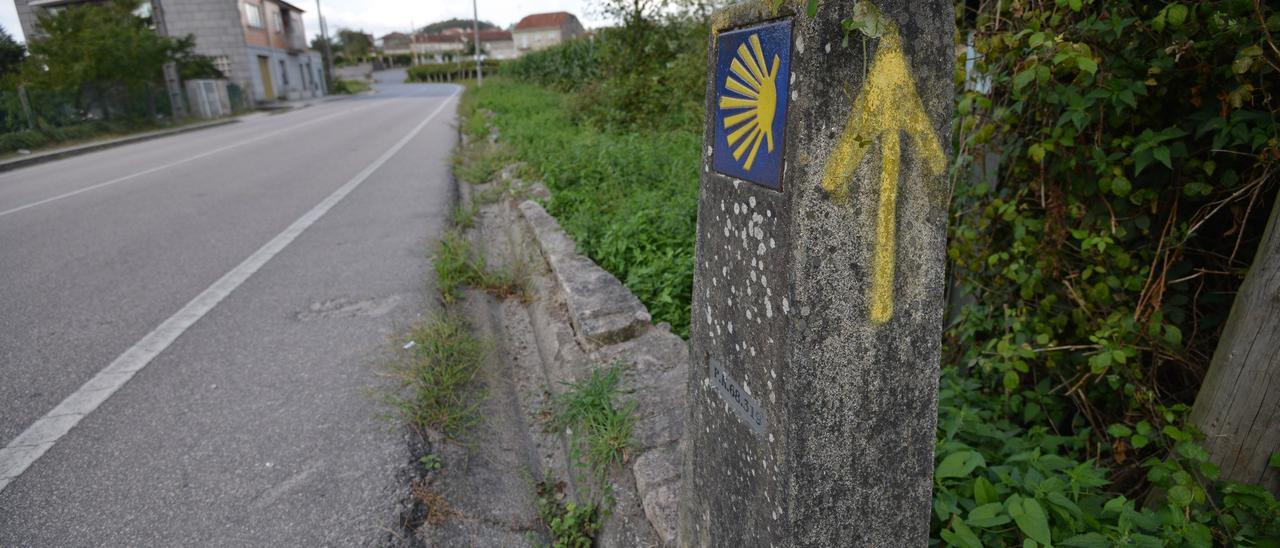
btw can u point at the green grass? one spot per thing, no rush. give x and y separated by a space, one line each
629 199
457 265
478 162
349 87
599 431
436 377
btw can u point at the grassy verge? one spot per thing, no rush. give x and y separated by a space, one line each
349 87
629 199
436 377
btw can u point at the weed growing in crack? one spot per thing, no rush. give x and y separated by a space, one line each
436 377
458 265
572 525
599 432
464 216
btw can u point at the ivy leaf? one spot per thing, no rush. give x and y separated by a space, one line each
1162 155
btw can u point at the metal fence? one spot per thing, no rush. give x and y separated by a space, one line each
32 117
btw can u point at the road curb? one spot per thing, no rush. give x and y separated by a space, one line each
40 158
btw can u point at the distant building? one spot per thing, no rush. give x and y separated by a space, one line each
450 44
498 44
260 45
543 30
437 48
395 43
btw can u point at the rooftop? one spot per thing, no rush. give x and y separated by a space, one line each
544 20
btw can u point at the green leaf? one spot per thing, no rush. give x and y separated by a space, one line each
1033 522
1180 495
988 515
1177 15
1021 79
811 9
1087 64
1274 461
1076 5
960 535
1087 540
1119 431
983 491
1036 152
1162 154
958 464
1139 441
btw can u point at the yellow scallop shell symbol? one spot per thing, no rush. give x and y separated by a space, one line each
756 91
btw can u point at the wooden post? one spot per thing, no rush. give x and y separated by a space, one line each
819 275
1238 406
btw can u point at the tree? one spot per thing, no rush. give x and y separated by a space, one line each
11 53
100 51
355 45
455 23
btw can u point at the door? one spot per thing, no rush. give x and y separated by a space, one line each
264 67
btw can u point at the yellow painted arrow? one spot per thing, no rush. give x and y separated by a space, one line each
886 106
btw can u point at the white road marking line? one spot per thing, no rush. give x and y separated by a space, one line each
32 443
179 162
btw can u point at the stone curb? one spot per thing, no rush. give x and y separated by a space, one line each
602 310
57 154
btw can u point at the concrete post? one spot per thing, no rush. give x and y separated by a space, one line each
818 288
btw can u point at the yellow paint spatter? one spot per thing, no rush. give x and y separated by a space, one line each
886 106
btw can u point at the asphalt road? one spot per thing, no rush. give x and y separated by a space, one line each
256 274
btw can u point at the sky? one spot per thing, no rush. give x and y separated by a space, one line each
378 17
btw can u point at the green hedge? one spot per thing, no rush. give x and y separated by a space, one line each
449 72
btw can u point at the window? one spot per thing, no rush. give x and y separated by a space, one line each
284 73
223 64
253 12
278 21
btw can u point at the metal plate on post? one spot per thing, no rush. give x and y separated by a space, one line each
753 67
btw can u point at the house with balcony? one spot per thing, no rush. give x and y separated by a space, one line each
543 30
450 45
259 45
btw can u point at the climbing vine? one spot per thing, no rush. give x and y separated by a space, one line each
1116 163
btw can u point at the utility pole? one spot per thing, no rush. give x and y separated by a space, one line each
172 82
328 53
475 26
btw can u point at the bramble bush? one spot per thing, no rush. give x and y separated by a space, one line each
1115 162
1136 145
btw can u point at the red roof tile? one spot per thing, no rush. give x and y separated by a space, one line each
544 20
